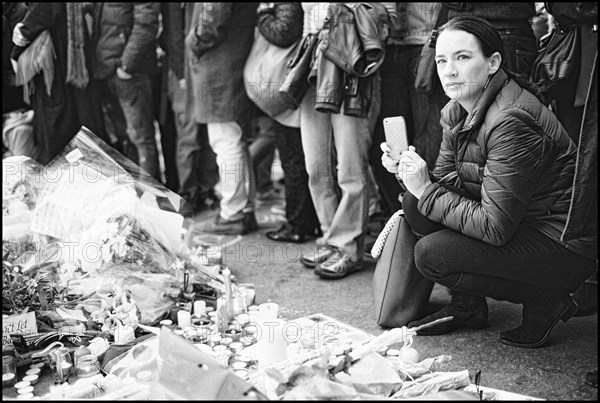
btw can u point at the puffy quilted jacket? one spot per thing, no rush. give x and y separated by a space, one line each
512 156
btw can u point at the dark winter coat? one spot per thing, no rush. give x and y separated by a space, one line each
217 59
58 117
125 36
512 156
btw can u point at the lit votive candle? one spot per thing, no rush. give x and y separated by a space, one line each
233 334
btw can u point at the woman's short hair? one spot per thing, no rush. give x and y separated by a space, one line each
486 34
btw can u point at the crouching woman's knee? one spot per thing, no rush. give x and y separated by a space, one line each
429 257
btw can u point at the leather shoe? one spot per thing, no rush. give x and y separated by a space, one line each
466 310
337 266
241 226
538 321
287 233
312 259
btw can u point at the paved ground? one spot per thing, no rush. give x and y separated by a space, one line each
554 372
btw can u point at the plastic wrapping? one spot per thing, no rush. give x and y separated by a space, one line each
22 181
110 228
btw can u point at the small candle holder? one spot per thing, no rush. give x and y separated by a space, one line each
9 370
233 334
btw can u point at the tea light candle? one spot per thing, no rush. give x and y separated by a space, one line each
22 384
253 308
166 322
393 352
183 318
35 371
244 358
242 373
236 346
200 307
239 365
233 334
226 341
219 348
33 379
212 315
243 318
214 339
178 332
25 396
25 390
37 365
209 309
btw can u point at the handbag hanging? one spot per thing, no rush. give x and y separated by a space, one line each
295 85
400 291
265 70
426 74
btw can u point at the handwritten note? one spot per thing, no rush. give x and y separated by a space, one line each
18 324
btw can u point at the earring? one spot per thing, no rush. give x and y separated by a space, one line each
487 82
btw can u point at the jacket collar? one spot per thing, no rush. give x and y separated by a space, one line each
455 117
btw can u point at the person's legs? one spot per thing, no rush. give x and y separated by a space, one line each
226 141
530 269
300 211
135 98
262 151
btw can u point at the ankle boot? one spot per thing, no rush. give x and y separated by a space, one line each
540 314
466 310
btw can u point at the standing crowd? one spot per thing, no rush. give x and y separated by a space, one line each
506 165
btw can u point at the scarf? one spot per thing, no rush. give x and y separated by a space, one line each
77 74
39 56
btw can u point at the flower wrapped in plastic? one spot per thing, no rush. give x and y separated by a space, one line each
22 181
113 225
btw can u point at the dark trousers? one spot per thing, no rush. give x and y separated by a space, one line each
299 208
529 257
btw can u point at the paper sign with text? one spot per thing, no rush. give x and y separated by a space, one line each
18 324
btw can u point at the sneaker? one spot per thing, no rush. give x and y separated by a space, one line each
241 226
313 259
338 265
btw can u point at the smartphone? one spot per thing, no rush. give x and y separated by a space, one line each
395 135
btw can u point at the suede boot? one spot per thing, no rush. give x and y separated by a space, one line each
541 312
467 311
542 307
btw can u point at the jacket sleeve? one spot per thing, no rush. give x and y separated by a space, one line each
207 22
173 32
515 150
281 24
143 35
444 163
39 17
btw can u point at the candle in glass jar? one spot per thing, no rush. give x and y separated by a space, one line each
200 308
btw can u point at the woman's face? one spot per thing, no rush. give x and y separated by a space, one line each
462 67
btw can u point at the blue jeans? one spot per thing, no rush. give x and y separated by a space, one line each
520 49
339 185
135 99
